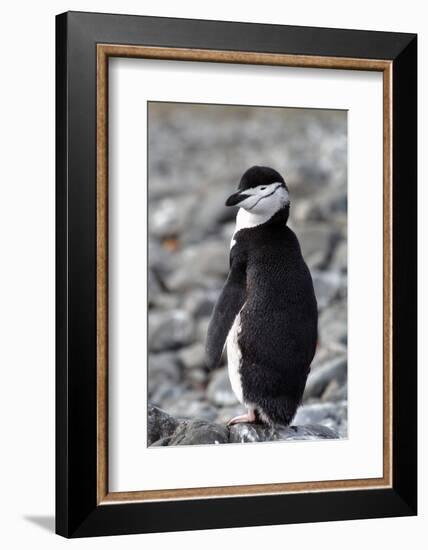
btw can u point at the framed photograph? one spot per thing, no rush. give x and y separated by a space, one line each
236 274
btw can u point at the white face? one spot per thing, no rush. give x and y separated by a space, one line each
265 200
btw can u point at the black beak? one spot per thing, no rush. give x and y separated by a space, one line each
236 198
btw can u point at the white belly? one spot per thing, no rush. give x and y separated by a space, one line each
234 357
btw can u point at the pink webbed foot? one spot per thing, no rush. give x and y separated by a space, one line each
248 417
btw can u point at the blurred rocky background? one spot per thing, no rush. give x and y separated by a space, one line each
197 154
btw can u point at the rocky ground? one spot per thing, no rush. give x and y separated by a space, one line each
196 157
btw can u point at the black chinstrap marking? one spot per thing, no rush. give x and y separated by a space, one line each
270 194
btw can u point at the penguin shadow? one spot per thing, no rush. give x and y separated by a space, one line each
44 522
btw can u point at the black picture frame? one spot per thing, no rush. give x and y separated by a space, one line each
77 511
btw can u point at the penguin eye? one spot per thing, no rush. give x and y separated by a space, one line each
262 188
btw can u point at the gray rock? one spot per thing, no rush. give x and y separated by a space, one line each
327 285
168 393
165 301
343 429
163 442
309 175
332 424
192 357
154 286
219 390
315 238
163 371
331 390
209 214
159 258
327 205
198 377
170 330
169 217
200 266
185 393
202 329
318 413
197 432
321 376
333 325
250 433
191 405
164 430
335 391
200 303
325 354
316 242
310 432
341 394
339 260
159 424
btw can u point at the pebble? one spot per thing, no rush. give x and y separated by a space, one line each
159 424
197 432
170 216
200 303
333 327
190 404
321 376
251 433
316 241
192 357
219 390
339 260
318 413
327 285
170 330
199 266
163 371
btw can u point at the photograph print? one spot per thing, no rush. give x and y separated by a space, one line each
247 274
233 325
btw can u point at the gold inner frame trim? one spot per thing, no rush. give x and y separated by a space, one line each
104 51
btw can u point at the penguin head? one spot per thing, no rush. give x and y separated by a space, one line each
262 191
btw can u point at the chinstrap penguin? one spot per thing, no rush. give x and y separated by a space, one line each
267 310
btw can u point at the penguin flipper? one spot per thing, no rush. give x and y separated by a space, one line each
229 303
